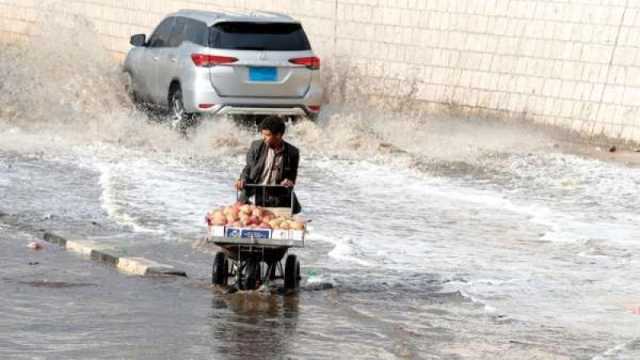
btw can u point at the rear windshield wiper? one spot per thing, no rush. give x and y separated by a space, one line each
250 48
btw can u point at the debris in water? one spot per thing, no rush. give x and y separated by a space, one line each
311 272
36 245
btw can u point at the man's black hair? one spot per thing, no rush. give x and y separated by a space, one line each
275 124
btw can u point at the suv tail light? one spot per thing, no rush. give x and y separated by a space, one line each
205 60
312 62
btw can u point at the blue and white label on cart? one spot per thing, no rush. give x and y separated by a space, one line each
256 233
248 233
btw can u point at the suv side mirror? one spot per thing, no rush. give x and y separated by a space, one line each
138 40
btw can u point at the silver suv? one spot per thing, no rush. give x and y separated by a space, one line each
226 63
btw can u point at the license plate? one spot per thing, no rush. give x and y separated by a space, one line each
263 74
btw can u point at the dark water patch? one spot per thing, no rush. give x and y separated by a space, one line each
452 168
54 284
447 298
319 286
392 282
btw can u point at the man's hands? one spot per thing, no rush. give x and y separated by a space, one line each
239 184
287 183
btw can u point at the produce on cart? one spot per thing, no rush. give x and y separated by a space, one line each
254 239
252 216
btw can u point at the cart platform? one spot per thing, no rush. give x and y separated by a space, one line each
223 241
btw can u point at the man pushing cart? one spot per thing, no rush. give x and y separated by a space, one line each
270 161
254 238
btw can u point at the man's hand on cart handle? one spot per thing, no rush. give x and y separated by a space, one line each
240 184
287 183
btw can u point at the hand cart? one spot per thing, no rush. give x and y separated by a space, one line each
252 257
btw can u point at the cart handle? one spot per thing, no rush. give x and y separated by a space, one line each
264 186
267 186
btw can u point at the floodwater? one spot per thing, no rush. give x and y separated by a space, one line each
441 236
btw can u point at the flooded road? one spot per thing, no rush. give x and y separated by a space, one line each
443 237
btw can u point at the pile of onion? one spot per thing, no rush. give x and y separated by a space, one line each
251 216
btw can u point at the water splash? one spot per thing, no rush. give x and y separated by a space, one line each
63 89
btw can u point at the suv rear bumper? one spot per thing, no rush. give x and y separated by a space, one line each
202 98
262 110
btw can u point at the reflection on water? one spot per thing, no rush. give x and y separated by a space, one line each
257 324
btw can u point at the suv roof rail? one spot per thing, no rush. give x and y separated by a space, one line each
199 12
271 14
211 17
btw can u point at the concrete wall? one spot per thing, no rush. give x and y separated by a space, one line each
573 63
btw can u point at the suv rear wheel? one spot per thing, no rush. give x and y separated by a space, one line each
180 118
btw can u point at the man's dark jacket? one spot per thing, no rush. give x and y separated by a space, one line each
256 158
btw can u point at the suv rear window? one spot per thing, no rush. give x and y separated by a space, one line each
258 36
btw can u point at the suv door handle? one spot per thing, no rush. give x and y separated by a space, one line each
155 58
173 59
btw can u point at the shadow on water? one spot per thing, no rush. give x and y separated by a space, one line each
256 323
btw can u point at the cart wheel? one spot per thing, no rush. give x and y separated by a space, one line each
291 273
220 271
252 274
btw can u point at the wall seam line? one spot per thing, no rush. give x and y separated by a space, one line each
606 83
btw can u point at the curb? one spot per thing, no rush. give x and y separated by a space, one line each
131 265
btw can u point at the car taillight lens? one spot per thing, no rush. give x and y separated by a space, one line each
211 60
314 108
311 62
